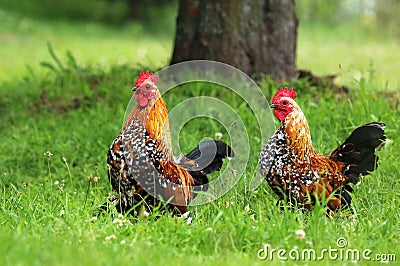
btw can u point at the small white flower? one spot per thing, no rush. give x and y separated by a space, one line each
229 203
48 154
121 221
109 238
300 234
123 241
62 213
218 135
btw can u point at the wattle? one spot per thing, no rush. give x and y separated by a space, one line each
141 99
280 115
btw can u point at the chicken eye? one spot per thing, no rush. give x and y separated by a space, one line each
284 102
147 86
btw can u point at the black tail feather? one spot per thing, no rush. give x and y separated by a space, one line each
209 154
358 151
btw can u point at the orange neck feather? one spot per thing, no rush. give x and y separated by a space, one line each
154 117
298 135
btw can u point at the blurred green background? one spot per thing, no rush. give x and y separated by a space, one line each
357 34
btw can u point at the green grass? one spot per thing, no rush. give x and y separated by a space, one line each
23 43
357 45
47 204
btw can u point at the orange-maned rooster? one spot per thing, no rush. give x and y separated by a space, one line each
297 173
142 169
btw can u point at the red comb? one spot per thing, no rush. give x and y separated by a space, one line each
145 76
284 93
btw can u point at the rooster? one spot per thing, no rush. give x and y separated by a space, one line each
297 173
142 169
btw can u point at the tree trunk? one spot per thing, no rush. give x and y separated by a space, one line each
256 36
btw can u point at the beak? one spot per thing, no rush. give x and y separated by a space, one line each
273 105
134 88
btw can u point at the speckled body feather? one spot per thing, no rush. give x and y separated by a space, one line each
295 171
142 169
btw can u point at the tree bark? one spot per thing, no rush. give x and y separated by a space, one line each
257 36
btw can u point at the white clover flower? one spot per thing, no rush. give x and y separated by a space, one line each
300 234
48 154
218 135
109 238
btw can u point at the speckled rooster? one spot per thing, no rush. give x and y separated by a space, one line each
297 173
142 169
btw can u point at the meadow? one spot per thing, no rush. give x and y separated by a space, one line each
63 93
